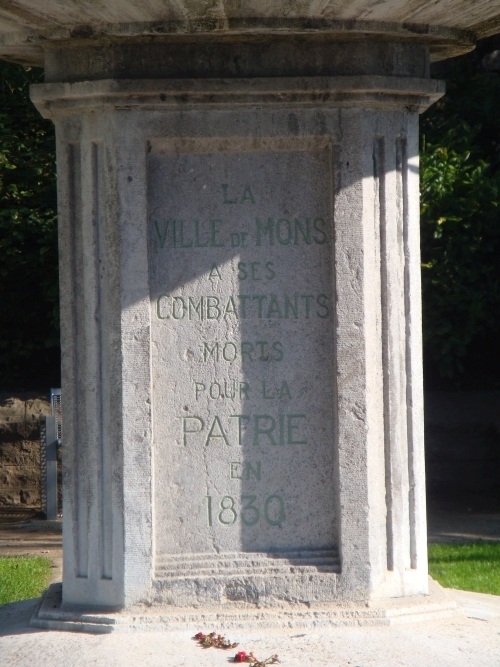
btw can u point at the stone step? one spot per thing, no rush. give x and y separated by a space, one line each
247 572
48 615
295 555
205 565
254 562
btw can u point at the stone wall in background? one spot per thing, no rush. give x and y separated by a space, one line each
20 415
462 445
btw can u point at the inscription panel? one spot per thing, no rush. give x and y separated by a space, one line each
242 301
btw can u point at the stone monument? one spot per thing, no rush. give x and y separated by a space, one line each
240 295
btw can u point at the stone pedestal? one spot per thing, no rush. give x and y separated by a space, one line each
240 297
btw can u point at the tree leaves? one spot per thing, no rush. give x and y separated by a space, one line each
29 324
460 217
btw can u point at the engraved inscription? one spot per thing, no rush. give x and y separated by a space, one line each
242 302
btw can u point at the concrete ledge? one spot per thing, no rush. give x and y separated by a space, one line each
437 605
54 99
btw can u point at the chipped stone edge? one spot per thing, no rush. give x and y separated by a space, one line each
53 99
50 616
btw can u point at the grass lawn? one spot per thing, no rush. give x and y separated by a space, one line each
473 566
22 577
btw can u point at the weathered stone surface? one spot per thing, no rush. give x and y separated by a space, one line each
51 615
238 57
325 186
241 297
448 26
241 246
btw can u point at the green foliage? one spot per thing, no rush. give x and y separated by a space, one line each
22 578
460 247
460 219
29 319
474 566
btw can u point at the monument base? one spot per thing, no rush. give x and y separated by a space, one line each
241 321
438 604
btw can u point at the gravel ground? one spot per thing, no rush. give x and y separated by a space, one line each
459 642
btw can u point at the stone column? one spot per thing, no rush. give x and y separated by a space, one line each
240 298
